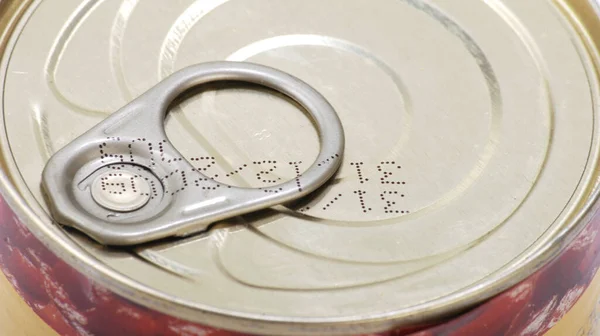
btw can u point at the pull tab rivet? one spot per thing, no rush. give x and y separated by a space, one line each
121 191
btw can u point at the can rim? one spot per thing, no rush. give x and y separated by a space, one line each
448 305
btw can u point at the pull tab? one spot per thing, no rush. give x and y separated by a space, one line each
124 183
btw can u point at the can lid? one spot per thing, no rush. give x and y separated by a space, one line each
470 149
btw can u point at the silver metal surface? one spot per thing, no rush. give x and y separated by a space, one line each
471 149
183 199
122 191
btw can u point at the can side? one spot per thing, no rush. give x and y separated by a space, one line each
569 285
79 306
82 307
16 317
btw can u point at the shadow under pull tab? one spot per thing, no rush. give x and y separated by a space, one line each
124 183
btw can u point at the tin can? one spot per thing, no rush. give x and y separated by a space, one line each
466 203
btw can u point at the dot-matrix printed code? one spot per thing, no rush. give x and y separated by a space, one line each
388 202
362 197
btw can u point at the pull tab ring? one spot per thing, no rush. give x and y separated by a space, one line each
124 183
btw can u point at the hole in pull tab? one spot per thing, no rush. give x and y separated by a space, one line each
242 134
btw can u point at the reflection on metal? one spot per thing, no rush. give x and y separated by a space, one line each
123 182
471 142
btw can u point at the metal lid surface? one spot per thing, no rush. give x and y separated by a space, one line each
471 145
